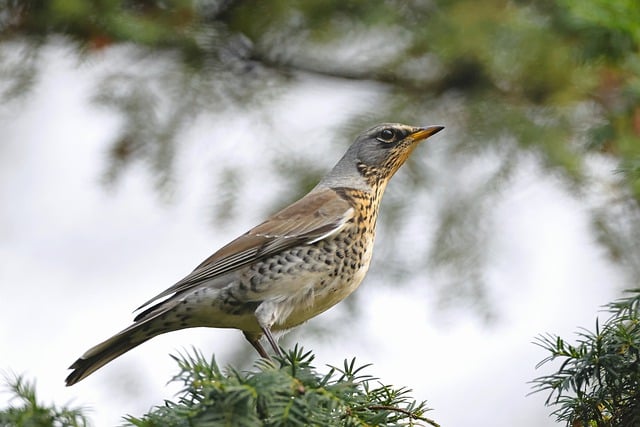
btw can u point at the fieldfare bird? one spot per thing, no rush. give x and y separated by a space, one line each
298 263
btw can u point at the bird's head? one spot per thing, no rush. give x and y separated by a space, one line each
381 150
377 154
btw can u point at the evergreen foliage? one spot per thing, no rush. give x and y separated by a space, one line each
30 413
598 382
284 392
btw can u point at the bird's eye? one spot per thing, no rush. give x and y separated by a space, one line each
386 135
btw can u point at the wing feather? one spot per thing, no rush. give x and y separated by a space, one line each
316 216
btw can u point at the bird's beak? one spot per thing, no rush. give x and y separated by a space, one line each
424 133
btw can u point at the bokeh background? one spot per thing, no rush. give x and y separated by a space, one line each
136 137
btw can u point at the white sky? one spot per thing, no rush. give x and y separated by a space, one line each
76 259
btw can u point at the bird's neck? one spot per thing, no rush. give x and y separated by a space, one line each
356 182
348 177
362 192
350 172
366 205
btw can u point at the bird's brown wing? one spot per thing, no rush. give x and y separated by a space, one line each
312 218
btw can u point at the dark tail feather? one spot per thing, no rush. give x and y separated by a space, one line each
147 325
105 352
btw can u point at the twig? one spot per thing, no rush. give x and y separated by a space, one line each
403 411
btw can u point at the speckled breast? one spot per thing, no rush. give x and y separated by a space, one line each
345 259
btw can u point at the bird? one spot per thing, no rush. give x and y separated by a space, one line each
295 265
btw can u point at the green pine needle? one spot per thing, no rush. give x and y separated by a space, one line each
286 391
598 380
25 410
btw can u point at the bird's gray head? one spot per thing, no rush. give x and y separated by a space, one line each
376 155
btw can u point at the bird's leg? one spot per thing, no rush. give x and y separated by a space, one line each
266 315
255 342
272 341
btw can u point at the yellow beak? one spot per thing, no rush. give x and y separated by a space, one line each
425 132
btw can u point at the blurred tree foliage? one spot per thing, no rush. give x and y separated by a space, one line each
559 79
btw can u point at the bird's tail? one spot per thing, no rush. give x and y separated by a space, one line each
147 325
105 352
